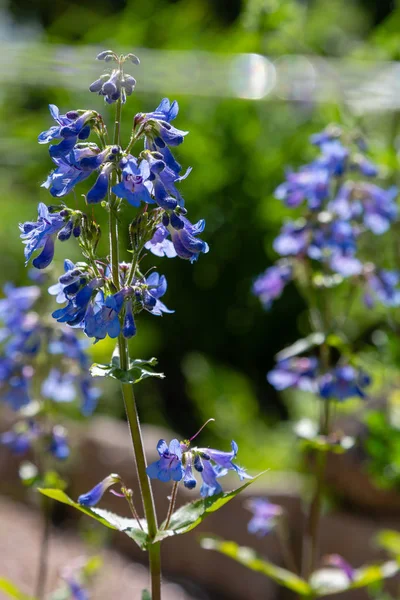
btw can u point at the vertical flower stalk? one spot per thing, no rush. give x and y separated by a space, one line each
103 296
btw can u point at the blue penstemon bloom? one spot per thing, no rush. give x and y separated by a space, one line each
178 460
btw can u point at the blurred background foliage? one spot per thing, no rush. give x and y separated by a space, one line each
218 345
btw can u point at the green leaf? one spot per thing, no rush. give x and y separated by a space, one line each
332 581
389 540
12 591
190 515
250 559
109 519
138 370
146 595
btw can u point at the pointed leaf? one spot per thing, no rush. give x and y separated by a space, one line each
146 595
138 370
12 591
302 345
107 518
250 559
190 515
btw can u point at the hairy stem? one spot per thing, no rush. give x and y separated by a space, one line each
40 588
172 504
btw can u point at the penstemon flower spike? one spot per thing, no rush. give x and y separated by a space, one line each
105 296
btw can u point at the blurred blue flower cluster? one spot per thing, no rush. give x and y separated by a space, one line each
42 363
339 205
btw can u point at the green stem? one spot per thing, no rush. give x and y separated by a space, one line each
43 555
129 397
310 552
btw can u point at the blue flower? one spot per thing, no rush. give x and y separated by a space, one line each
155 288
379 206
73 168
311 183
299 372
69 127
102 317
169 466
334 157
58 386
271 283
159 133
114 86
335 560
58 446
19 439
342 383
78 304
293 239
94 496
159 244
383 286
41 235
264 517
224 460
210 485
184 239
134 185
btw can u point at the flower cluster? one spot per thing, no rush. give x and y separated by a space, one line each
26 338
339 206
339 383
97 299
178 460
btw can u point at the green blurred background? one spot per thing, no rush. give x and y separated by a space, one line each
218 345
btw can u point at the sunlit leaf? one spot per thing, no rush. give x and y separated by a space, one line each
138 370
190 515
12 591
390 541
250 559
109 519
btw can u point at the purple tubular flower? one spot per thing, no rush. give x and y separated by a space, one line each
170 466
159 133
40 236
298 372
19 440
102 317
293 240
94 496
270 285
264 517
69 127
342 383
64 178
310 183
380 207
99 191
210 485
59 447
224 460
185 242
59 387
189 480
159 245
383 286
334 157
134 184
156 288
129 328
